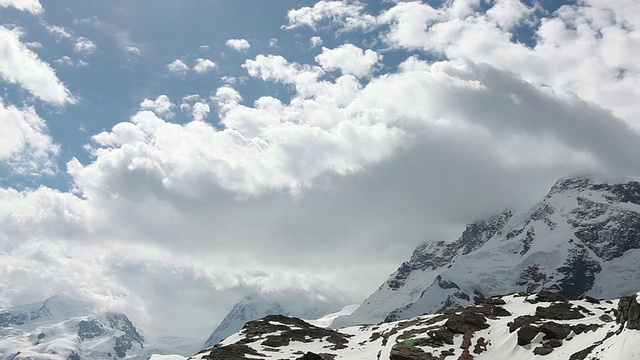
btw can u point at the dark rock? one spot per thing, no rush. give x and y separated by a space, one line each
559 311
7 319
580 328
466 322
74 356
606 318
532 278
526 333
629 312
521 320
401 351
591 300
481 346
89 329
310 356
231 352
542 350
553 330
491 301
579 272
548 296
554 343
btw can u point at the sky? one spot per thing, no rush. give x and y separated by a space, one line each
165 158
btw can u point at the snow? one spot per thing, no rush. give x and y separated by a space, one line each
328 319
502 345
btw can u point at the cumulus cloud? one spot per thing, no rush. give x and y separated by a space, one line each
178 67
350 59
84 46
24 142
162 106
204 66
32 6
346 15
315 41
238 44
200 111
20 65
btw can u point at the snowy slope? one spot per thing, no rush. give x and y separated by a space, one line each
255 306
63 328
582 238
520 326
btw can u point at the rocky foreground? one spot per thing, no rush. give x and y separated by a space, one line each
519 326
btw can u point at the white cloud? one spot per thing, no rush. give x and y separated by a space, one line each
24 142
20 65
32 6
347 15
581 50
84 46
200 111
204 66
60 32
238 44
178 67
68 61
315 41
350 59
132 50
162 106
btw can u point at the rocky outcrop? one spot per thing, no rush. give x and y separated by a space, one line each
629 312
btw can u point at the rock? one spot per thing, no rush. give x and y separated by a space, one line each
542 350
591 300
310 356
401 351
231 352
481 346
548 296
606 318
526 334
553 330
629 312
559 311
555 343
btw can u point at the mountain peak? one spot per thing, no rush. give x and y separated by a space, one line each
580 239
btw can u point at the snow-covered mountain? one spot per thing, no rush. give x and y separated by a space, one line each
62 328
291 303
519 326
582 238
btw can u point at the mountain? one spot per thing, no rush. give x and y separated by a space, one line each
290 303
519 326
582 238
63 328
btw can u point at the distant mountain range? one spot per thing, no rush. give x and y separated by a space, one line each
63 328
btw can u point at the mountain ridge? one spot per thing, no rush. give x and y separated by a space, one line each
577 240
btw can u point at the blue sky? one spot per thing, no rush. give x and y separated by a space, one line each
178 154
